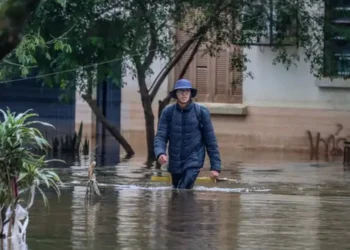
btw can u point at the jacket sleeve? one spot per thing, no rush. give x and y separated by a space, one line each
161 138
210 141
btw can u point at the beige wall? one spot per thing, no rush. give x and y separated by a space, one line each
279 128
275 129
269 128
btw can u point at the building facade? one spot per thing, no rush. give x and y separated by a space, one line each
277 109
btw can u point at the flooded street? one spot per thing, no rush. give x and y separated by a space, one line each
270 206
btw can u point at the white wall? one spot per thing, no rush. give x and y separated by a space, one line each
274 86
132 117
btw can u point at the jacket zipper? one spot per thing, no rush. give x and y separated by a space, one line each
182 134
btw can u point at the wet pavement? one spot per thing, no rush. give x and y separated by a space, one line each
276 205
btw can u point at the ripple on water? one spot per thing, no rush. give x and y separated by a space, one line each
197 188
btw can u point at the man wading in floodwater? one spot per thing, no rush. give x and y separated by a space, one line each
188 128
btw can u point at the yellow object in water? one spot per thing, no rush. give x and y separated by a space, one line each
198 180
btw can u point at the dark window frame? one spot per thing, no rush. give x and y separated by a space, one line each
336 59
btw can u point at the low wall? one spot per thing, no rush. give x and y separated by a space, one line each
264 128
280 128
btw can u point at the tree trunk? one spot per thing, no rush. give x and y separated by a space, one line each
14 15
2 218
110 128
141 68
150 132
149 119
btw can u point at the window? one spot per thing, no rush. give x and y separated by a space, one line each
337 38
213 77
269 22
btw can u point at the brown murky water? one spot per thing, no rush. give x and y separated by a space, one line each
272 206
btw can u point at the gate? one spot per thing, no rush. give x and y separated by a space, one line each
21 95
109 102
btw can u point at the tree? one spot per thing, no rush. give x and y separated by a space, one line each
71 37
14 14
90 37
148 27
145 34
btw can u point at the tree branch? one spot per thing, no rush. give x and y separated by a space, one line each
200 33
87 96
190 59
61 36
153 43
109 127
169 62
151 48
17 64
219 7
140 75
14 15
166 100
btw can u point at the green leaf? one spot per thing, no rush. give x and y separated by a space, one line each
16 159
21 176
48 57
41 123
61 2
63 84
67 48
45 179
46 201
24 71
31 195
58 45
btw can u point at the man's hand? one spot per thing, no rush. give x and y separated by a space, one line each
163 159
214 174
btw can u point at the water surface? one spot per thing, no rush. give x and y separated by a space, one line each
271 206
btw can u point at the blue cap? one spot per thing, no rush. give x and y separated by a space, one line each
183 84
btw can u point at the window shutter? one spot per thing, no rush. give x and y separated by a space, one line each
182 36
213 77
201 80
235 85
181 64
227 82
220 84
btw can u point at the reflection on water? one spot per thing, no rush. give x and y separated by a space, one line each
276 206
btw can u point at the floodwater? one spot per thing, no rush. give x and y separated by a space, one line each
278 205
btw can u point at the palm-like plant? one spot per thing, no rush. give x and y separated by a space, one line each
21 171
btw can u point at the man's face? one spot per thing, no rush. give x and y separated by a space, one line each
183 95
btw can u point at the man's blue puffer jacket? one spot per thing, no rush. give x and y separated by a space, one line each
189 136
